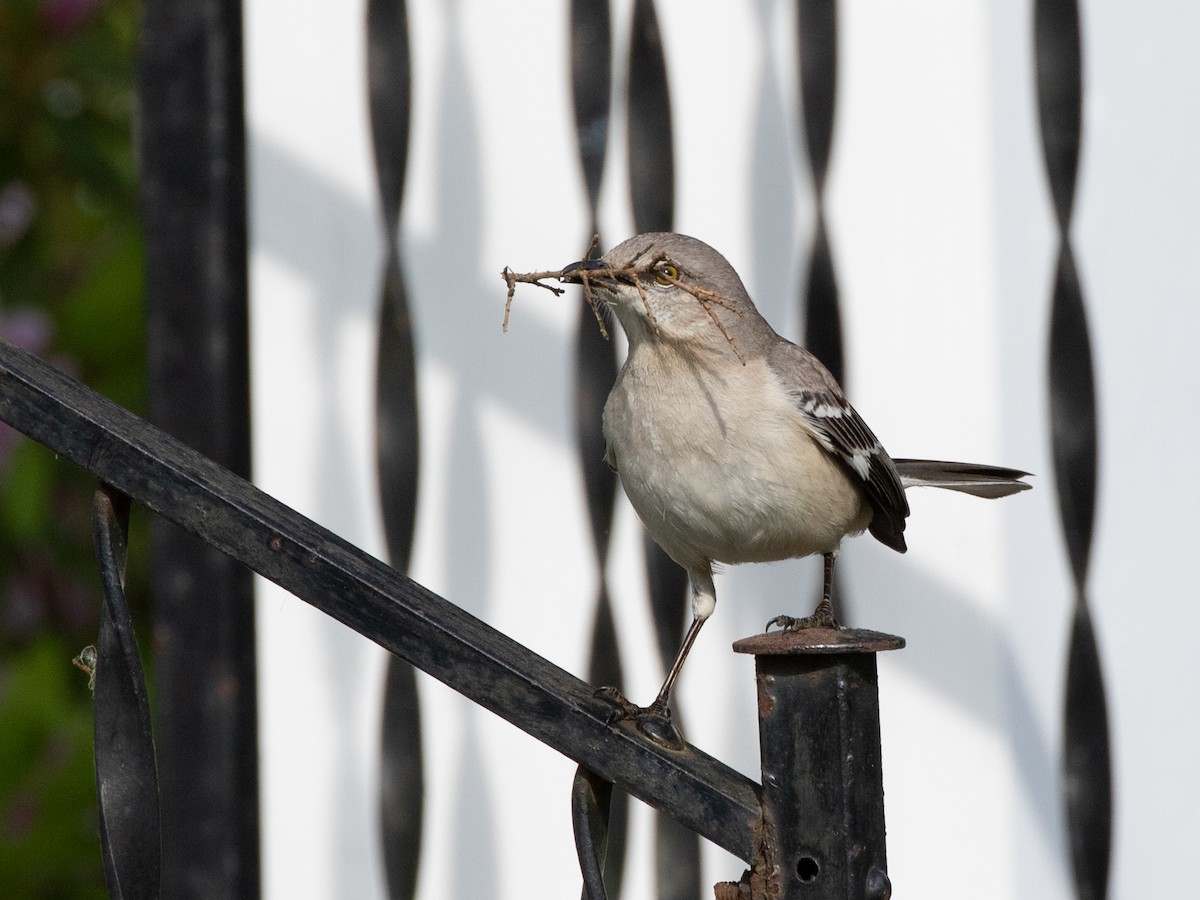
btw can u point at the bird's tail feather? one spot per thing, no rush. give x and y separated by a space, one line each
970 478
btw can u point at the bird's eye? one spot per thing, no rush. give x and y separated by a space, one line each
666 274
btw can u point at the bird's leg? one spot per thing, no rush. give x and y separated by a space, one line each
660 704
822 616
704 600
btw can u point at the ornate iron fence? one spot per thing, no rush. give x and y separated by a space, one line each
814 827
192 146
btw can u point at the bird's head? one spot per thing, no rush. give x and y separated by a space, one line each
673 288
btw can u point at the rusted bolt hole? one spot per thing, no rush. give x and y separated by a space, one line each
807 869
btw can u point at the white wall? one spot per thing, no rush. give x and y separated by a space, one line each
943 243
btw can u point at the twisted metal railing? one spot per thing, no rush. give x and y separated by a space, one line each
1087 759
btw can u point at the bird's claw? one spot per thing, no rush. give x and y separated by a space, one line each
653 721
622 708
819 619
626 709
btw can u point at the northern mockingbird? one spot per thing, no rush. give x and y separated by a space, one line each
733 444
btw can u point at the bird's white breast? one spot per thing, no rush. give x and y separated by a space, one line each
720 466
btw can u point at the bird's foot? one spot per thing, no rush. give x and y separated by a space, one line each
822 617
622 708
654 721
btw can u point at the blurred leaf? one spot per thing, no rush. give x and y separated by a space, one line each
75 256
101 325
25 492
49 845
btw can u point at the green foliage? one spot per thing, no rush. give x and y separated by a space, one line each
48 843
71 290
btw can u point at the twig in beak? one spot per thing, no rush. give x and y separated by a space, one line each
512 278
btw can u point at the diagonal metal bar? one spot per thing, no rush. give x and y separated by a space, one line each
375 600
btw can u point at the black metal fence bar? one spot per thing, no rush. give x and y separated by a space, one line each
397 439
595 371
191 163
375 600
818 704
126 777
1086 757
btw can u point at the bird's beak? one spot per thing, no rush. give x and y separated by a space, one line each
570 273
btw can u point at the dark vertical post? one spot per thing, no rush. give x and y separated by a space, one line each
595 371
192 143
820 306
822 832
1087 756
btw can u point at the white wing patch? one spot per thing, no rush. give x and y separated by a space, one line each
815 406
843 433
837 428
860 462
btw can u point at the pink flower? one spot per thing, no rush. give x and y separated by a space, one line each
30 330
60 17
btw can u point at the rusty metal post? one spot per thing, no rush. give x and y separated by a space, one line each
822 833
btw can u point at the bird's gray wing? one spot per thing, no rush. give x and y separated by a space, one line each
841 431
